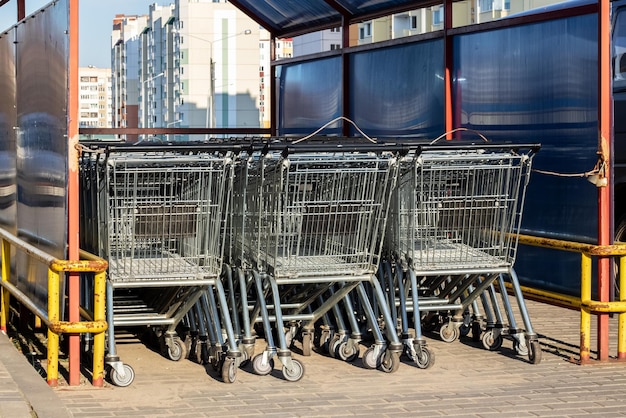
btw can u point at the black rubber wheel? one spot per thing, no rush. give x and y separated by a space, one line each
424 358
229 370
449 332
390 362
177 350
347 352
117 380
534 352
369 359
260 368
307 343
296 372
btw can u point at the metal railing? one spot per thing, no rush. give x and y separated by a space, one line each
585 303
51 316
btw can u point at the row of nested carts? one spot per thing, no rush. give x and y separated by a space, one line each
351 249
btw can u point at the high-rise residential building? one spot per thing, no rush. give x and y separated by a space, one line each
196 65
94 99
156 84
125 70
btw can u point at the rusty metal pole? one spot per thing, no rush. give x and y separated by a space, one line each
604 151
448 64
72 192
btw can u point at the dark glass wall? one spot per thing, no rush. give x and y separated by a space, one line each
538 83
398 91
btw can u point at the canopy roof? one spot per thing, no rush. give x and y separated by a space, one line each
286 18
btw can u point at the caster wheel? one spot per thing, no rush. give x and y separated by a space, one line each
177 350
520 349
333 344
347 352
369 359
259 367
491 342
534 352
296 372
120 381
424 358
390 362
449 332
229 370
307 344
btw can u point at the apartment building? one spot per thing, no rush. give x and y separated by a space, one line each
125 70
95 99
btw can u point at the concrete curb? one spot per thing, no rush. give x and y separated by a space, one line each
24 393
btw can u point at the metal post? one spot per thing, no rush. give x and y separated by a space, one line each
448 63
99 302
73 193
604 150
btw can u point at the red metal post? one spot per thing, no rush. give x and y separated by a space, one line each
604 151
72 192
21 9
448 64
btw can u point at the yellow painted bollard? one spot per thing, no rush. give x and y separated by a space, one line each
98 339
53 338
585 312
5 295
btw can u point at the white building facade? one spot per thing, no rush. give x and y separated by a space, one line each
95 99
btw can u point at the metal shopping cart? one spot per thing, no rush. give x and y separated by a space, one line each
308 223
453 227
159 217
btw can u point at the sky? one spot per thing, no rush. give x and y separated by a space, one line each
95 20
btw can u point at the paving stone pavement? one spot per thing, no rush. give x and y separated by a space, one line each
465 381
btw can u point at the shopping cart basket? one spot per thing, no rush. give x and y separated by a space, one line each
159 219
307 220
453 226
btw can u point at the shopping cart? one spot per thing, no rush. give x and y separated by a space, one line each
159 217
307 231
453 227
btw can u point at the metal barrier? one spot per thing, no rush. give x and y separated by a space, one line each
586 305
51 318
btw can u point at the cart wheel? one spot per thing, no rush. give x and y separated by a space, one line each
260 368
289 337
449 332
117 380
369 359
534 353
296 372
477 330
464 330
177 350
430 323
333 344
490 342
307 344
229 370
424 358
520 349
347 352
391 362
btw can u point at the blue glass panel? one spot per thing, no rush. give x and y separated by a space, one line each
398 91
538 83
309 96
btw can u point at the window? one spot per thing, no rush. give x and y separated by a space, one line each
438 16
485 5
335 29
334 47
413 22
